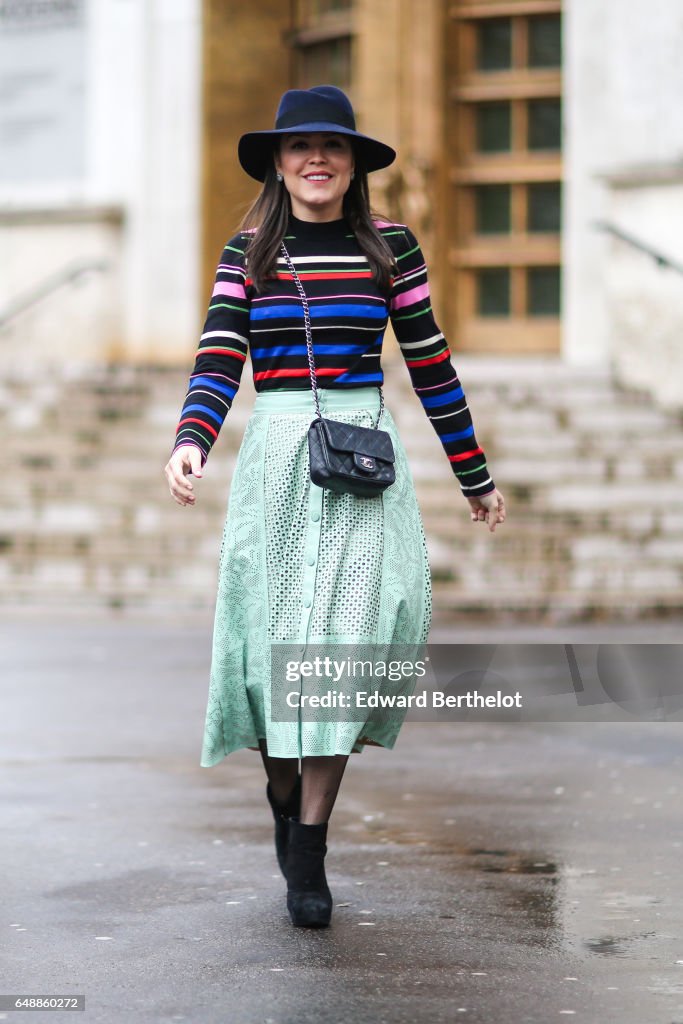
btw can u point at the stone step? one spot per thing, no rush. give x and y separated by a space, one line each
617 522
196 592
561 602
128 480
151 524
470 563
511 428
163 516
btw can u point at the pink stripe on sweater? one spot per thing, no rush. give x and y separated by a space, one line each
318 298
225 288
453 380
411 296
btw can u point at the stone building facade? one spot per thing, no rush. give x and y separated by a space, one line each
520 124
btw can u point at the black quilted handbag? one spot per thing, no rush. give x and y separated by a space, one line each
343 457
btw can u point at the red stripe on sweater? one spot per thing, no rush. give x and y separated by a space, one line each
329 275
327 371
342 275
427 362
465 455
221 348
193 419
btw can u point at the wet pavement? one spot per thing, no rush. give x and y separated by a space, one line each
482 872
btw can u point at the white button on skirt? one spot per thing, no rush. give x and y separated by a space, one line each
301 565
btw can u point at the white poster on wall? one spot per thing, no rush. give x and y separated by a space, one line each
42 91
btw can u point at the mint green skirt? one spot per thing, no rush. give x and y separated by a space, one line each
302 565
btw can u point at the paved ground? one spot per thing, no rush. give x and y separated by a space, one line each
481 871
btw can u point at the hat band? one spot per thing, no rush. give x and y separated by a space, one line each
315 112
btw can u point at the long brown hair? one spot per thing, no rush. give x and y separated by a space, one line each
270 212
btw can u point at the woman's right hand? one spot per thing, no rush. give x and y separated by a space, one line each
185 459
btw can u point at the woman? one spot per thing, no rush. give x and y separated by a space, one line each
300 564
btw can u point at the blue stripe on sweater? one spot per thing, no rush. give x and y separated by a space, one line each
319 312
211 383
449 396
204 408
458 435
348 378
300 350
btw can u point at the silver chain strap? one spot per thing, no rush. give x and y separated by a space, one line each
309 338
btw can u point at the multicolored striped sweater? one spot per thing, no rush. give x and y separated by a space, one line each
348 319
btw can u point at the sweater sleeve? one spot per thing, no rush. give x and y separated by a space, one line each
220 357
432 374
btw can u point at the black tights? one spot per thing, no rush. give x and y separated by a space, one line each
320 781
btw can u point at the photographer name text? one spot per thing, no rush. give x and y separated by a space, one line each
424 699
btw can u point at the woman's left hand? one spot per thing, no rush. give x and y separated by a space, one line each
489 508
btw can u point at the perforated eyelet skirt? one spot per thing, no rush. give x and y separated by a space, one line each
302 565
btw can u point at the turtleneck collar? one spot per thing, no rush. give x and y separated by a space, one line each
317 229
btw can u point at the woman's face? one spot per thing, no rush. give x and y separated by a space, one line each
316 167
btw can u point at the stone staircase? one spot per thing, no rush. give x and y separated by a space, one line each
592 476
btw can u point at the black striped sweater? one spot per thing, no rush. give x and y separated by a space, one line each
348 320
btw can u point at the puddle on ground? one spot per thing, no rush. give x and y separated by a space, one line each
610 945
146 889
510 863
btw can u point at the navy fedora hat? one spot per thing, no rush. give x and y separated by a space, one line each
323 108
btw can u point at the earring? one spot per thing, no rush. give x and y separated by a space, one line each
279 176
353 175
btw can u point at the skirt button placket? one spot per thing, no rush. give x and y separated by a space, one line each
315 503
316 497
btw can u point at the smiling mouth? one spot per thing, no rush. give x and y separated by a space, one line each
318 177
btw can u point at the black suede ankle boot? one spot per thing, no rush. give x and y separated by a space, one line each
309 900
282 814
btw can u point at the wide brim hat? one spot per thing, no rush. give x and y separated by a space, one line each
323 108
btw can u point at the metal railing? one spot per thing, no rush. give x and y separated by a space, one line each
659 257
50 284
